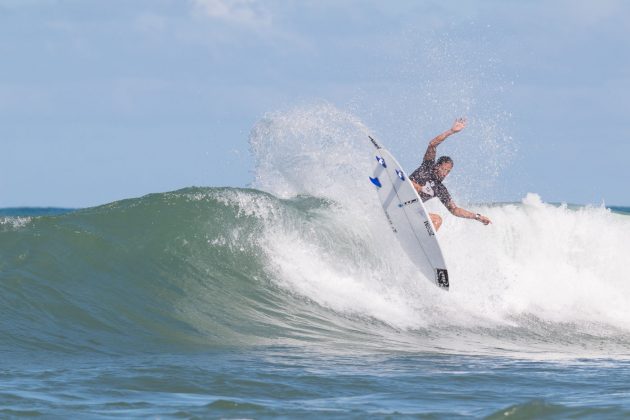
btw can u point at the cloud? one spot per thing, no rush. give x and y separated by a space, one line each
243 12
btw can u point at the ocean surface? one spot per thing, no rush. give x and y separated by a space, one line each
293 299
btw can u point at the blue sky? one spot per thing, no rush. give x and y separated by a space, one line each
102 100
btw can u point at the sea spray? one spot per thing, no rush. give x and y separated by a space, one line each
318 151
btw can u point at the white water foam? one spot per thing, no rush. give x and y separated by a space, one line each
551 262
551 266
15 222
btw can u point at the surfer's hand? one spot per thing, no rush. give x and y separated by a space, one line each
483 219
459 125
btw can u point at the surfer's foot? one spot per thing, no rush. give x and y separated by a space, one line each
437 220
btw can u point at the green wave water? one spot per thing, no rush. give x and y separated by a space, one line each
182 270
133 275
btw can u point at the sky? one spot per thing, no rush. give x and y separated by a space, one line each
104 100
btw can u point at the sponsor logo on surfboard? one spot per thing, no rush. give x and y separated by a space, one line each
400 174
381 161
406 203
391 224
427 225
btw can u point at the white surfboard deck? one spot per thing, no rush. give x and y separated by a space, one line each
407 216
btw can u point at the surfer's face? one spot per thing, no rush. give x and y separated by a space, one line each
443 169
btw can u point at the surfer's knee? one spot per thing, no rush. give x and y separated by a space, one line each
436 219
416 186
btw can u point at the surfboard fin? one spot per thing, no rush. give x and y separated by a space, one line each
376 182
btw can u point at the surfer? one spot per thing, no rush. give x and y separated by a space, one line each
427 179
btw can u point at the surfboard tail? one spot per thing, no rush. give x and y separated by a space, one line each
441 278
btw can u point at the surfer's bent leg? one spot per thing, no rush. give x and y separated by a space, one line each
437 220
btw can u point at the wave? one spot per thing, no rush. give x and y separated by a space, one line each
205 267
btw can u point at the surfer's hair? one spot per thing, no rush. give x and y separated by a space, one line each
444 159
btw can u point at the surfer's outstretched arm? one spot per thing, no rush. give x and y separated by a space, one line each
460 212
458 126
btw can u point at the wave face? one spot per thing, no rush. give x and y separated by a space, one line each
217 267
311 261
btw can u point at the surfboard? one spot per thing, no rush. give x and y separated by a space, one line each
407 216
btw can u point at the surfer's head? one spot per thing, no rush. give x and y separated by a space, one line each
443 166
